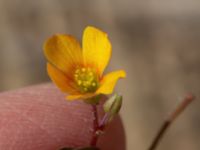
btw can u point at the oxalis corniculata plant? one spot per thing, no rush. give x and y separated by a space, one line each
79 72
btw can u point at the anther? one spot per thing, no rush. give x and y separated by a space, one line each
76 76
79 82
85 79
85 89
90 73
94 84
83 69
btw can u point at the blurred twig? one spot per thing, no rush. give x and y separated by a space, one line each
169 120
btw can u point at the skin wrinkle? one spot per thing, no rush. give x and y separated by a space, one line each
32 121
3 127
21 144
22 114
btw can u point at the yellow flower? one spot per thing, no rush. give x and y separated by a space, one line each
79 71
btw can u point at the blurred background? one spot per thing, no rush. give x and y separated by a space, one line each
157 42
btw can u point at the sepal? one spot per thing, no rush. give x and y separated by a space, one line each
113 104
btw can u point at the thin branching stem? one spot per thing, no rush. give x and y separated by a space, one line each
170 119
95 126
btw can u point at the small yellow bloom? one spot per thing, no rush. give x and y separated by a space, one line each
79 71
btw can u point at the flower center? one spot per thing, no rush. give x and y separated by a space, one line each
86 79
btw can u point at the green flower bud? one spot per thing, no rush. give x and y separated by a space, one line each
113 104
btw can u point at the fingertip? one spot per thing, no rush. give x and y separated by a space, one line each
40 118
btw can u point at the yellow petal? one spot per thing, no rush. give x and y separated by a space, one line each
80 96
63 51
109 81
96 48
60 79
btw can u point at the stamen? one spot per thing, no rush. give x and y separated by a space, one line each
90 74
76 76
85 89
86 79
83 69
79 82
94 84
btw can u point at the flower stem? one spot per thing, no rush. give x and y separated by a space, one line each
104 121
170 119
95 126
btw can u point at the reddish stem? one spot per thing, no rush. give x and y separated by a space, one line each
169 120
95 126
104 121
98 128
